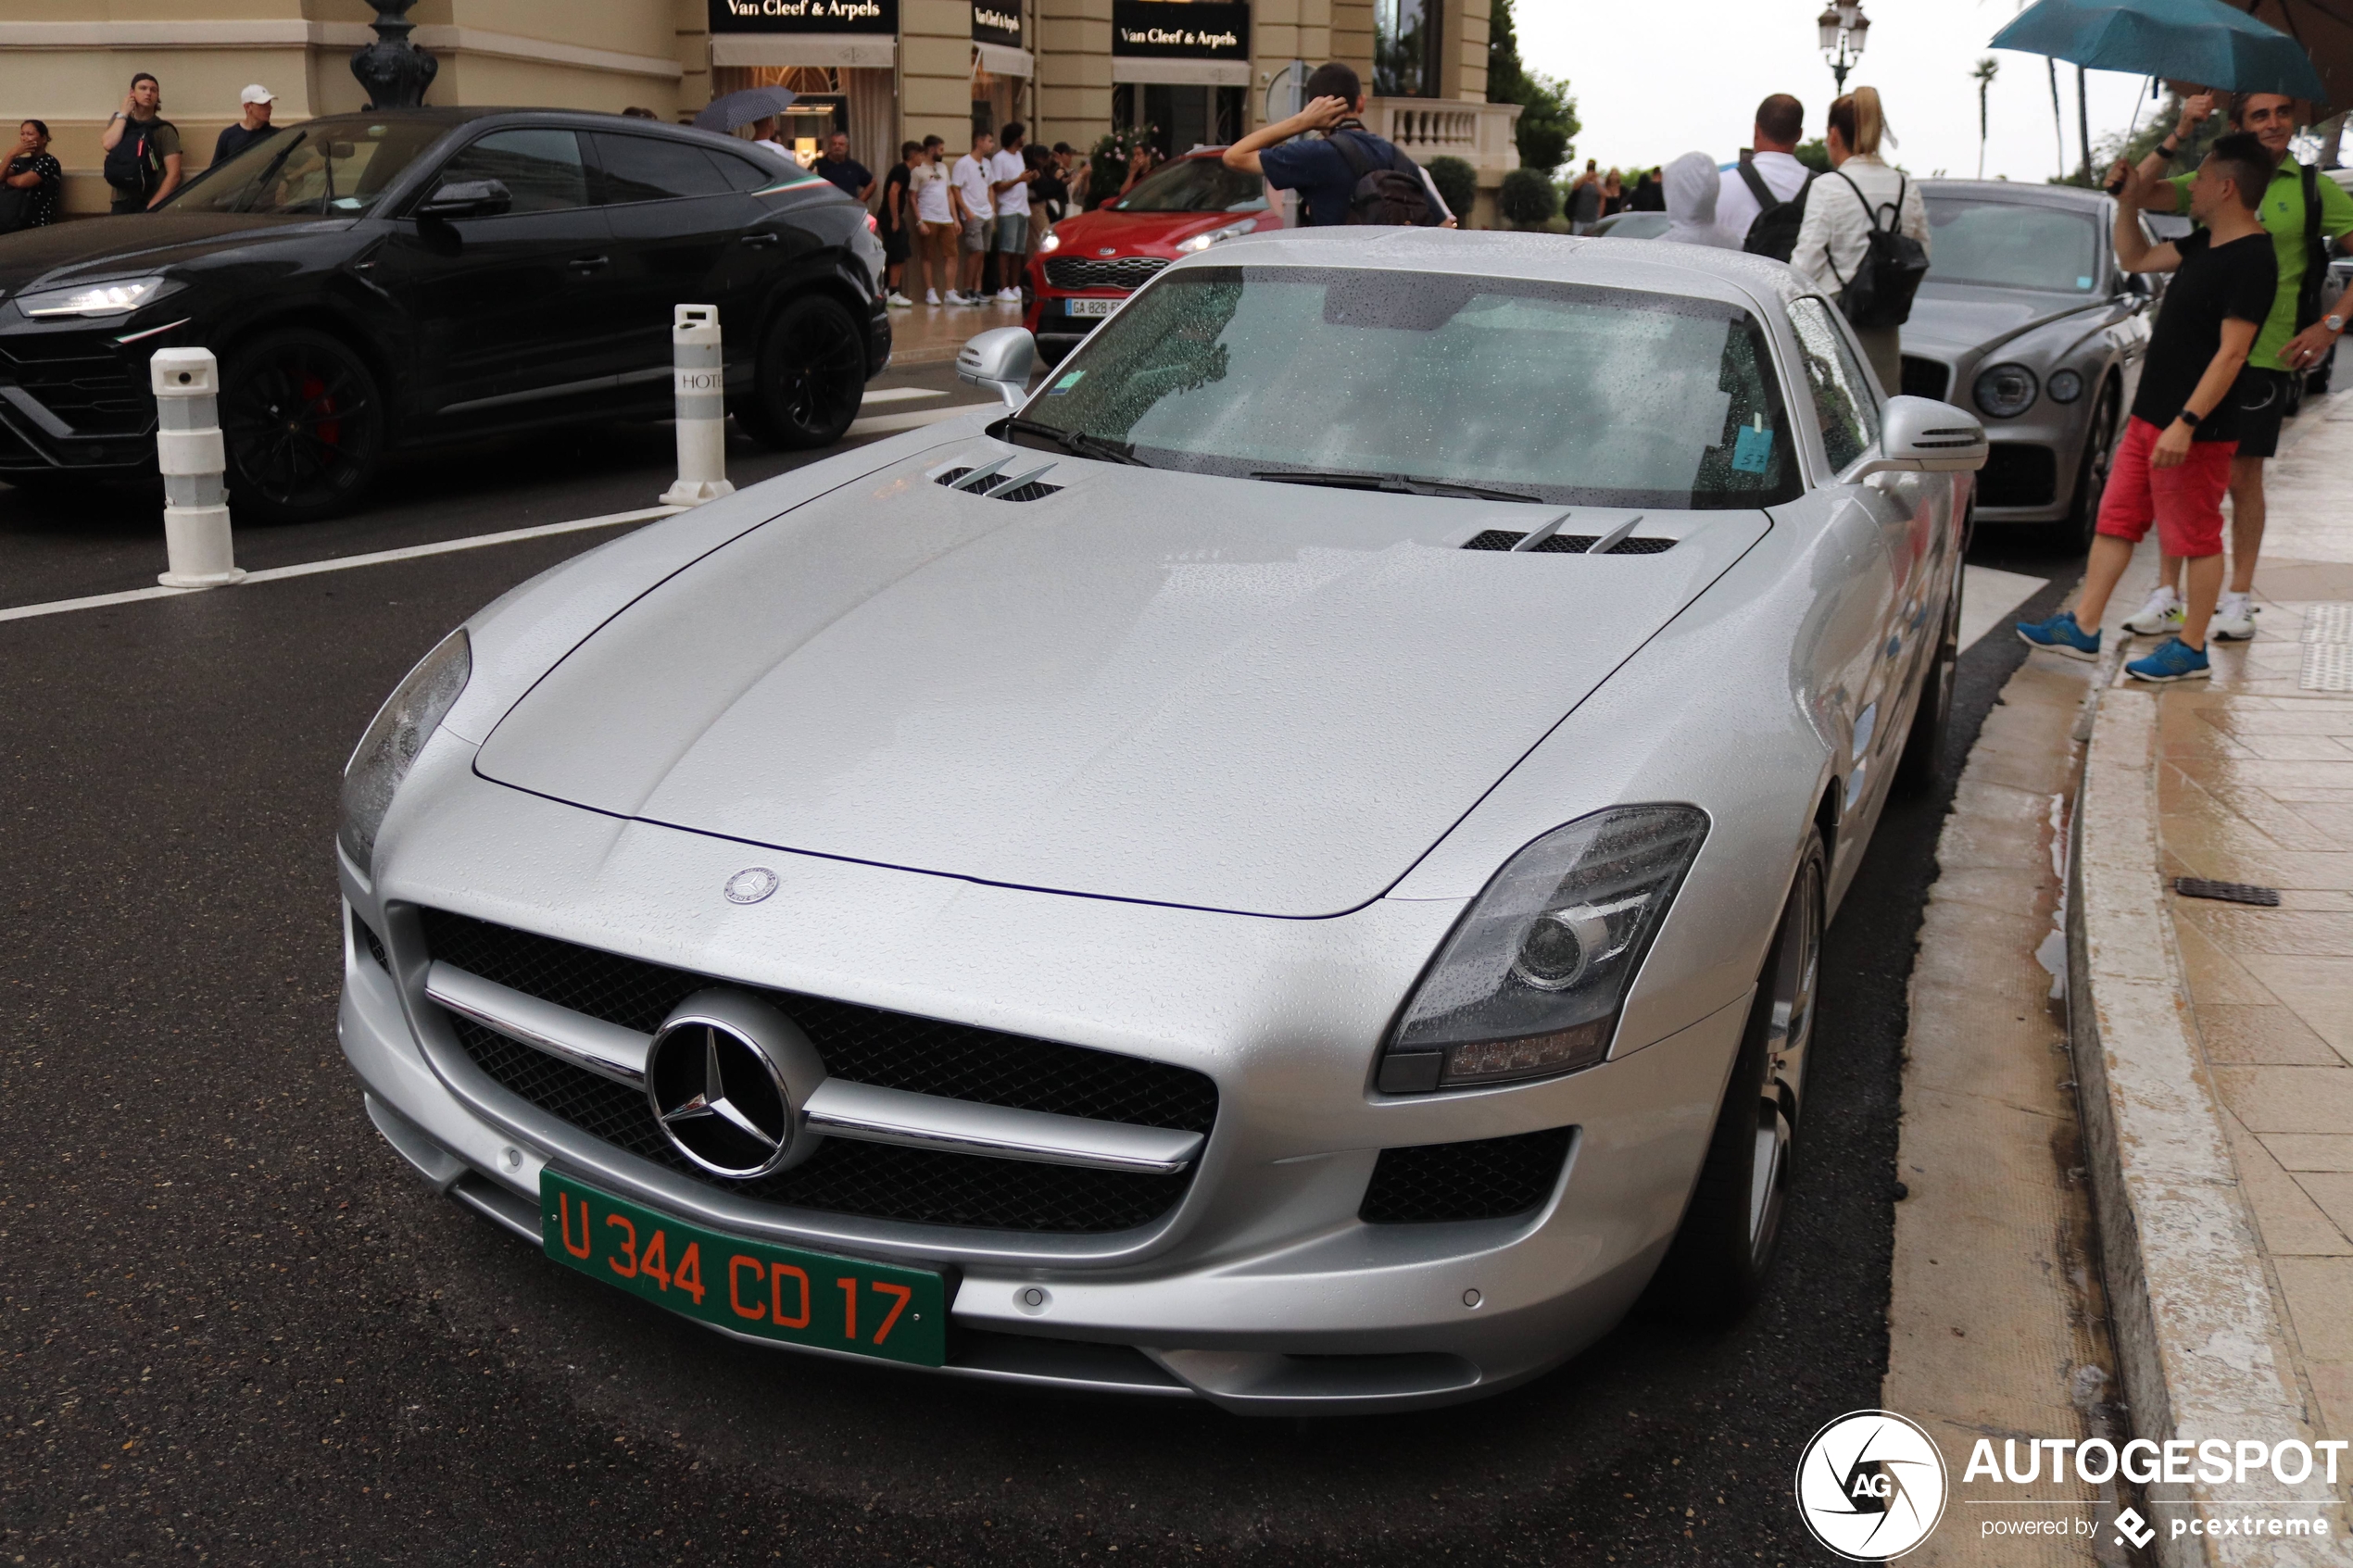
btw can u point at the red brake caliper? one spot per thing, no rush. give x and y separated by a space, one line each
314 395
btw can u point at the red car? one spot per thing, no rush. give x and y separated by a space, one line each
1093 260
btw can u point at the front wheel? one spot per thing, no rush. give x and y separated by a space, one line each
2090 474
1932 717
1721 1256
812 377
304 423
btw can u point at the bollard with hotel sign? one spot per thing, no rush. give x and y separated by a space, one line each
699 378
192 457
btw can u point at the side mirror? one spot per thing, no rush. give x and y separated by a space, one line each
467 198
1921 435
1001 359
2134 286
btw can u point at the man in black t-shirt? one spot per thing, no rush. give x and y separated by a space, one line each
2174 465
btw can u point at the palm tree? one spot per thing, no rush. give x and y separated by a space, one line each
2059 117
1987 69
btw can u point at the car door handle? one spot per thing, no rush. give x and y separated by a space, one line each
590 263
761 239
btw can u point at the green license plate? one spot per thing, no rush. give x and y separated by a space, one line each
754 1287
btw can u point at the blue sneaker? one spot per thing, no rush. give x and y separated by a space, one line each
2061 634
2174 660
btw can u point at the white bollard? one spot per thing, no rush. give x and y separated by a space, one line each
700 382
190 453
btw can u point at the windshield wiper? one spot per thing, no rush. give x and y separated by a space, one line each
1075 442
1394 484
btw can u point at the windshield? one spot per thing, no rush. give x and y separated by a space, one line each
327 168
2014 245
1556 391
1196 184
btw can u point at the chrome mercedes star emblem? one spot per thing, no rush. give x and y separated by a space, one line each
750 885
720 1099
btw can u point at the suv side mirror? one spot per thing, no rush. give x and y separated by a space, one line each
467 198
1921 435
1001 359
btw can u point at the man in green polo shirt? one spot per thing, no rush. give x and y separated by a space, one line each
2295 337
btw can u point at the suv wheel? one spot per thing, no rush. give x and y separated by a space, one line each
304 423
812 377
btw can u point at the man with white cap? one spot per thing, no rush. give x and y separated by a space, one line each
254 128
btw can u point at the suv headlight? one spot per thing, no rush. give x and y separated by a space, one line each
1199 242
119 298
2005 391
399 731
1529 983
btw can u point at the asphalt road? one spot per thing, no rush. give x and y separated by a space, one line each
240 1330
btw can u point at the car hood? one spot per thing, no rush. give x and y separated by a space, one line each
114 247
1955 321
1164 687
1086 233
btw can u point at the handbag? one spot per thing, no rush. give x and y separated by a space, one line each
15 204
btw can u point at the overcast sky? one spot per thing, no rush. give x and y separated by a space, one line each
1665 77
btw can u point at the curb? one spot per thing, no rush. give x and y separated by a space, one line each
2199 1340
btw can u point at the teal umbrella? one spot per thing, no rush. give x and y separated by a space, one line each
2206 41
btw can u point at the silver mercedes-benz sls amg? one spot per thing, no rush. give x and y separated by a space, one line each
1143 892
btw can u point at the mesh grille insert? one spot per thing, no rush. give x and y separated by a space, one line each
1094 272
845 1177
370 943
1033 491
1489 1179
1567 543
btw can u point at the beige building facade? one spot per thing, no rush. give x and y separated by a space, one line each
885 70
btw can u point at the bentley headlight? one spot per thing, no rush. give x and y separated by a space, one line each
116 299
399 730
2066 387
2005 391
1199 242
1529 983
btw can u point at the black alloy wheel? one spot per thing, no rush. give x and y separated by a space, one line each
2090 474
1916 771
812 377
1723 1253
304 423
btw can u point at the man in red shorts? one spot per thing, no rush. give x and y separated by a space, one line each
2174 465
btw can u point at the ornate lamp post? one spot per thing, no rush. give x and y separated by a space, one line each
1843 27
395 71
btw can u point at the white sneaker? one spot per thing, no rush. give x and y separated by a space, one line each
931 296
2159 618
955 298
1009 297
899 301
2234 618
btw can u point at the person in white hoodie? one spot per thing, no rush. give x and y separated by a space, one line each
1841 210
1691 183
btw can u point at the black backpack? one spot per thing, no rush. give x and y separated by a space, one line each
1774 232
1393 193
132 164
1879 295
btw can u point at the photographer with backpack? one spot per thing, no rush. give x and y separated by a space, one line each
1351 176
1760 200
1864 241
142 148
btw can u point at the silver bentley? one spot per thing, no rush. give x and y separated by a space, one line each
1143 892
2025 318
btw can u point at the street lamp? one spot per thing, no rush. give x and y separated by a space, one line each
1843 27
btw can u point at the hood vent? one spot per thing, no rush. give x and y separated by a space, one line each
990 481
1567 543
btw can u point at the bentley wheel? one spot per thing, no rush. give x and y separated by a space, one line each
811 378
304 423
1717 1265
2090 474
1932 717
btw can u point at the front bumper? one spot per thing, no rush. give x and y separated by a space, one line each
1262 1291
2031 471
73 397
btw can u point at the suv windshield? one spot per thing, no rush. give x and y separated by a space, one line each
2014 245
1553 392
1195 184
327 168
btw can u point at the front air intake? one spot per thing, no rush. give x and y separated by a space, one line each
992 481
1567 543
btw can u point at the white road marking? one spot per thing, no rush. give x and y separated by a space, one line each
902 395
1988 596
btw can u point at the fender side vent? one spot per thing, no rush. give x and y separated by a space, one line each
990 480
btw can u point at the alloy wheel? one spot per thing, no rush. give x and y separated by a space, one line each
1789 1031
2099 452
303 423
816 373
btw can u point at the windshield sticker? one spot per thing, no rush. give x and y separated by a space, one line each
2082 282
1064 384
1753 450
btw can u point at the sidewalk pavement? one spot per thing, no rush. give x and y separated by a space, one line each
2215 1039
930 334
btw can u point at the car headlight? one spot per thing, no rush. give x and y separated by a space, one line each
399 730
1051 242
1529 983
1199 242
2005 391
118 299
2066 387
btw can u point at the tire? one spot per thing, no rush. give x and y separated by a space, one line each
1923 756
1723 1253
812 377
2090 474
304 421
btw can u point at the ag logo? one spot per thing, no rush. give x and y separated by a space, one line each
1870 1486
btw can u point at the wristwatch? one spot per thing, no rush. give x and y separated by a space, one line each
2334 323
2189 418
2169 154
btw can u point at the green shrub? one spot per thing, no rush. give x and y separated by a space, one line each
1527 199
1457 184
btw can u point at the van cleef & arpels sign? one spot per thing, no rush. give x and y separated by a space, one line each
1182 30
804 16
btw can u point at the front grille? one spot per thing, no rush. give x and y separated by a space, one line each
370 943
862 1045
1925 378
1111 273
94 393
1489 1179
1033 491
2017 475
1567 543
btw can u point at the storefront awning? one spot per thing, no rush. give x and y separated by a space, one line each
1147 71
998 60
866 49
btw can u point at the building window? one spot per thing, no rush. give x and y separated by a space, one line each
1405 48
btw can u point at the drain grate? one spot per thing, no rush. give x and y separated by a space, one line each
2228 892
2328 648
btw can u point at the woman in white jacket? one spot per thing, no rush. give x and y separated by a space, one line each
1836 233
